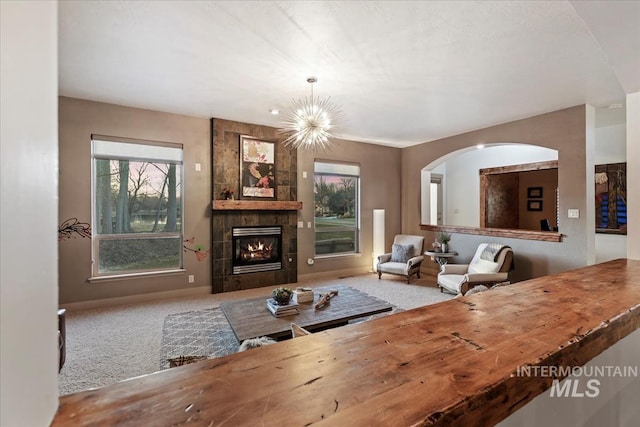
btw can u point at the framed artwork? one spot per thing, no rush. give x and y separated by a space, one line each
611 198
534 192
534 205
257 167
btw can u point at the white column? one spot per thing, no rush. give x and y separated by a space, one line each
29 212
633 176
378 235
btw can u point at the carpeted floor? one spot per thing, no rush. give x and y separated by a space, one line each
111 344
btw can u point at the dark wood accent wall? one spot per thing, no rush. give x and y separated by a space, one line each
502 201
225 151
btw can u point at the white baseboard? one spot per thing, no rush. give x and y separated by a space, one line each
136 299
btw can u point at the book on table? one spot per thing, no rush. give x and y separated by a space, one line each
282 310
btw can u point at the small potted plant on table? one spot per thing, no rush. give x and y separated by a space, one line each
282 295
444 239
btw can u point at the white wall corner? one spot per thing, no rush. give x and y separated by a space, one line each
29 213
590 159
633 175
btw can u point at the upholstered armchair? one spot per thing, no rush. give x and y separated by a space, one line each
405 257
490 265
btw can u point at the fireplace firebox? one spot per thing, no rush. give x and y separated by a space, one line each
256 249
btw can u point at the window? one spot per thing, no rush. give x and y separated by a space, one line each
337 208
137 206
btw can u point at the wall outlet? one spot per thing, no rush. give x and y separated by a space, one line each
573 213
192 278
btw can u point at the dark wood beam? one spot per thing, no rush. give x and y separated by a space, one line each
256 205
545 236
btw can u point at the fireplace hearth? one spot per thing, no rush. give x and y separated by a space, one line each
256 249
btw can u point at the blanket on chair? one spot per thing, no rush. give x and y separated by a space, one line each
492 251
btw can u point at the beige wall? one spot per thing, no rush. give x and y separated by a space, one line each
78 119
380 189
563 130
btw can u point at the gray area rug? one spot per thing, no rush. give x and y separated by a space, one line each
196 333
207 333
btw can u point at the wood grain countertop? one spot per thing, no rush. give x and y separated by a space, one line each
452 363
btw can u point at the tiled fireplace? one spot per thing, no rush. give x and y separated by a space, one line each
252 221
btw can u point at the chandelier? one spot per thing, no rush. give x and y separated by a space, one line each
309 122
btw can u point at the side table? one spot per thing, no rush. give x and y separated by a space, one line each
441 257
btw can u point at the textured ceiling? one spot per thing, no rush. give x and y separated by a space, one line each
403 72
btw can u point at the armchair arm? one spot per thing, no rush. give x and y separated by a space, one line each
486 277
454 269
415 260
384 258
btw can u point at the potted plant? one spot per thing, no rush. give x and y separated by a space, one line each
444 239
282 295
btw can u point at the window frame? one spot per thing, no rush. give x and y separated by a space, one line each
96 238
357 229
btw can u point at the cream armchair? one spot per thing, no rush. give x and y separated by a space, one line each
405 257
490 265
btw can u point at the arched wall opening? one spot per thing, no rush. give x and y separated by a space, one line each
460 186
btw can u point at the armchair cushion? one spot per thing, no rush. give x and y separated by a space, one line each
394 268
401 253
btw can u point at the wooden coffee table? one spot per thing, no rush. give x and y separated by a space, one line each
250 318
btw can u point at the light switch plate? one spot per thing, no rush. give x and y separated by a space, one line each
573 213
300 224
198 167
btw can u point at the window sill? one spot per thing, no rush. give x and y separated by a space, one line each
128 276
344 255
545 236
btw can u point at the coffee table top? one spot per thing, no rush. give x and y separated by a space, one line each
249 318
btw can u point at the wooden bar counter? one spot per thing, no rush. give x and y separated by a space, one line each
452 363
